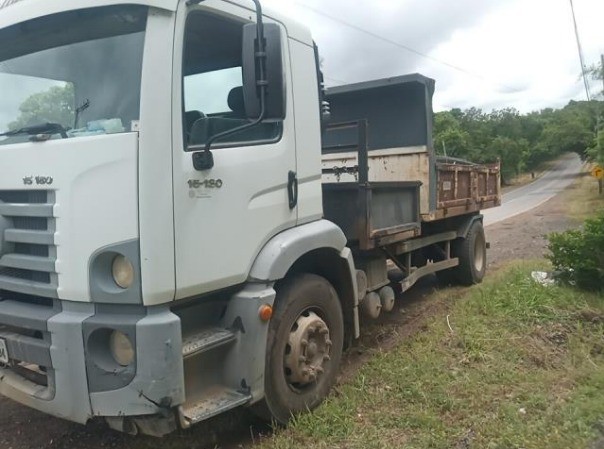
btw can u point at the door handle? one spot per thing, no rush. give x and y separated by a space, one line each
292 189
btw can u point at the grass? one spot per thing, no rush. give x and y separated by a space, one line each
583 198
512 365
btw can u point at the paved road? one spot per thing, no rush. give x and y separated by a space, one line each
536 193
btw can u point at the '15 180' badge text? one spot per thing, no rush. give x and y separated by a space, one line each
38 180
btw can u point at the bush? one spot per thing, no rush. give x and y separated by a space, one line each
578 255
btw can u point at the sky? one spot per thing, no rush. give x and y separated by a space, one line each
482 53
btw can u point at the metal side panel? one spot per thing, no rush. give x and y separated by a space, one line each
369 213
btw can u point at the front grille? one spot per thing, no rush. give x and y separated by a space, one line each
28 252
28 275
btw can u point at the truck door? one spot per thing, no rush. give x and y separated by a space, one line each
224 215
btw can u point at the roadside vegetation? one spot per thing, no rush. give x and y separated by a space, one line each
582 197
578 255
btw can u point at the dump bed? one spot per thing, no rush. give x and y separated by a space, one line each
381 178
463 187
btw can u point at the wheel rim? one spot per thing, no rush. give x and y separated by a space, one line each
479 252
307 351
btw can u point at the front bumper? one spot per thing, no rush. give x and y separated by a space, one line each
56 337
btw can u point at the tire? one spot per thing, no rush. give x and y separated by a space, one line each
472 253
302 303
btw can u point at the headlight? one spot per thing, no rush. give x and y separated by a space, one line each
122 271
121 348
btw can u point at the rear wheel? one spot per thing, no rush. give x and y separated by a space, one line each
304 347
472 253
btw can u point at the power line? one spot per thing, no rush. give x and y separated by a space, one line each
397 44
580 50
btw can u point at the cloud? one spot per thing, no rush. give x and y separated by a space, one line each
351 55
511 53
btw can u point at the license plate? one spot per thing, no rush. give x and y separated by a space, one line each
3 352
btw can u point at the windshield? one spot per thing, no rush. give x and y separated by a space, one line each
80 70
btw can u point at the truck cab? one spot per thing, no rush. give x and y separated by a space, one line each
130 281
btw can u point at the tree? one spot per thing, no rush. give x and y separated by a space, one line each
505 123
566 134
521 141
596 151
56 105
449 137
511 153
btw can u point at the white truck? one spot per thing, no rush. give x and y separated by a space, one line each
184 230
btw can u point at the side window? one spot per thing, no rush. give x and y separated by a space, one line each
212 82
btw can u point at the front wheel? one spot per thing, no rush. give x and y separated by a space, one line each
304 347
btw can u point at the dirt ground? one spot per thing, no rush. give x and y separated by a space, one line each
524 236
521 237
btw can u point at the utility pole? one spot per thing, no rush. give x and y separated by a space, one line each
602 70
600 181
580 50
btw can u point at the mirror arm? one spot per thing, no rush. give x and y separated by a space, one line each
223 134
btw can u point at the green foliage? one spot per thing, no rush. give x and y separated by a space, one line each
56 105
512 153
578 254
571 130
449 137
596 151
520 141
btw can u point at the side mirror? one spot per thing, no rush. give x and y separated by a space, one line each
275 101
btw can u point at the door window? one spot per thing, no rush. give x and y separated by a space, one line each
213 93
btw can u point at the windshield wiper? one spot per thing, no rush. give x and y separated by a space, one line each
43 128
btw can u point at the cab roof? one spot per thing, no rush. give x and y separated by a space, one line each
17 11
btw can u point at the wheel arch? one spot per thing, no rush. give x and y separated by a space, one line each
318 248
466 224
